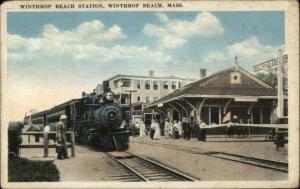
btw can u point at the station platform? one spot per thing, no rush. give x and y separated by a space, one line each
252 148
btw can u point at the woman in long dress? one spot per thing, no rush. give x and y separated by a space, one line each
157 131
171 128
142 129
180 128
167 128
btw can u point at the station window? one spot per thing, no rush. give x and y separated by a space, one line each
155 98
138 84
147 84
155 85
173 85
124 100
138 98
147 99
179 84
214 115
138 107
166 85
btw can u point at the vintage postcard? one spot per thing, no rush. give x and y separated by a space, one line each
150 94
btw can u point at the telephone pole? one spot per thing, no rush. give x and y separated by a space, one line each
130 92
280 100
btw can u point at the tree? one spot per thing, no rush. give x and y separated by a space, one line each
268 78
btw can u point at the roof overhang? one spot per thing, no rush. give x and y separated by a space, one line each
239 98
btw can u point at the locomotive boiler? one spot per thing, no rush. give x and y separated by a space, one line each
95 119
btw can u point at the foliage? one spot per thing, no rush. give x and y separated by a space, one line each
24 170
268 78
14 137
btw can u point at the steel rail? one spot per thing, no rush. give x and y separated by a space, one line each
149 171
141 177
173 171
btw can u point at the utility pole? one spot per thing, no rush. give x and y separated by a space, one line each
280 100
130 92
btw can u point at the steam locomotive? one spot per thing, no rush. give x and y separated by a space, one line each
95 118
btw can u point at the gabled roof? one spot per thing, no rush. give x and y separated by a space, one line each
207 87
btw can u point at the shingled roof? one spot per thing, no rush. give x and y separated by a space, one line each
218 84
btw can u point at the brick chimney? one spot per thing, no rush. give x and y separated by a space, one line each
202 73
151 73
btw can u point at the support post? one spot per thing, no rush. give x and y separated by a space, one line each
261 116
72 144
46 150
220 114
209 115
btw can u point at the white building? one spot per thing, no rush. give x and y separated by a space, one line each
143 90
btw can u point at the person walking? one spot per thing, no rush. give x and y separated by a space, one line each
142 129
157 133
175 130
61 129
167 128
180 131
171 128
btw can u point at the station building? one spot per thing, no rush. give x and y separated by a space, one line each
231 94
134 92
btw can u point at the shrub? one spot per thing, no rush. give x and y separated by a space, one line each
24 170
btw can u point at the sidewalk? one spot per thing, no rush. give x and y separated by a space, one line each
263 150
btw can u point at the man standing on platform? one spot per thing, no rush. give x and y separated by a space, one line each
186 129
152 128
201 131
61 129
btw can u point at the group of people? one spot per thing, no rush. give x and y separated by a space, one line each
177 129
170 129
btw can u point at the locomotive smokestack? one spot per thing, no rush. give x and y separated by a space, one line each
202 73
151 73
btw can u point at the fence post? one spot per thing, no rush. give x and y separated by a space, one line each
72 144
45 144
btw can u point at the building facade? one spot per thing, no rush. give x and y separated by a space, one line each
133 92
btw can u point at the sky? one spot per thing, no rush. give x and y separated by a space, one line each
54 56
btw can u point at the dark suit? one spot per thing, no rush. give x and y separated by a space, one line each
61 149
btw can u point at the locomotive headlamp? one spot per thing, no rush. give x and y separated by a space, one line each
109 96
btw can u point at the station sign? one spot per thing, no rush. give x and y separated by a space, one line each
245 99
271 65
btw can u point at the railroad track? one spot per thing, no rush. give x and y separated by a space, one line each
140 169
268 164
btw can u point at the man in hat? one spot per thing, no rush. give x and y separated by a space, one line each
61 129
